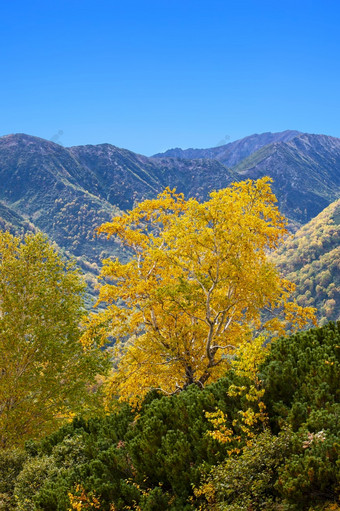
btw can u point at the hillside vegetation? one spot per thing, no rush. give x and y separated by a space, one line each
311 259
178 394
167 456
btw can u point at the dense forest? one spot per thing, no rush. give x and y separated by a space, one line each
201 382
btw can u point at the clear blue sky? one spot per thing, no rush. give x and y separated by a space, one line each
148 75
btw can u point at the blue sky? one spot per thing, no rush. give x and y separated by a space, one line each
148 75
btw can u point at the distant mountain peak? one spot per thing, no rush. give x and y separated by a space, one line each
23 140
23 137
232 153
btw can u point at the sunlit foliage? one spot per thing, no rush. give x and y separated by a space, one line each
194 289
44 369
311 259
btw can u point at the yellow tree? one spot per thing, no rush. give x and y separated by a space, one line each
194 289
44 369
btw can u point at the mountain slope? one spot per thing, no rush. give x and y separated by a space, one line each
13 222
40 181
305 170
231 154
124 177
67 193
311 259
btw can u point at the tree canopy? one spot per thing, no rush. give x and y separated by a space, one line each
44 369
195 287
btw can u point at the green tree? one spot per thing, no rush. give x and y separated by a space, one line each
246 482
151 459
44 369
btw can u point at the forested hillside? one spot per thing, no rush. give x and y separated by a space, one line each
178 393
311 259
13 222
68 192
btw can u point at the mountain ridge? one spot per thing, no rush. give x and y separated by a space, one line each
230 154
68 192
306 173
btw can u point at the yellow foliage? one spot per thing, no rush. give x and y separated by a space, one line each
206 490
332 507
194 288
250 356
222 432
80 500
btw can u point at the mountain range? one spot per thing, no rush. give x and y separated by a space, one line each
305 168
231 154
68 192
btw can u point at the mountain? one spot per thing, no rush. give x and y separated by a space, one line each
305 170
311 259
13 222
122 177
68 192
41 182
231 154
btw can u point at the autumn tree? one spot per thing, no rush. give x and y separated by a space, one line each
44 369
194 289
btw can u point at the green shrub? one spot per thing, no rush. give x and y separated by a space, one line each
11 463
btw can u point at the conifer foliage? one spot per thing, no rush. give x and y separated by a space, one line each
165 457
